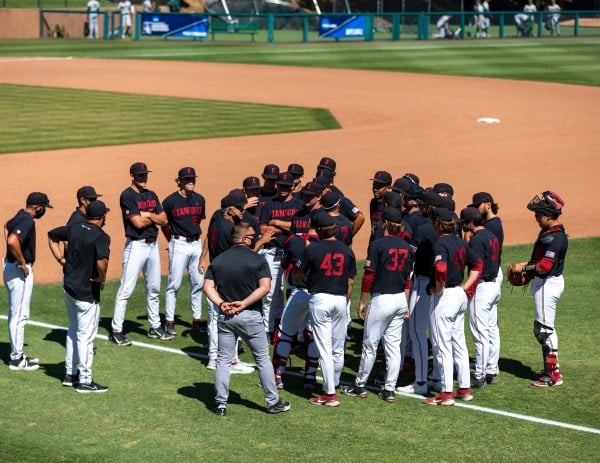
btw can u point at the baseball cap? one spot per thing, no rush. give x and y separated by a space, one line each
401 184
271 172
285 179
327 163
414 192
481 197
433 199
393 199
96 209
391 214
239 196
448 203
412 178
383 177
87 192
296 170
232 200
443 188
330 200
138 168
187 172
470 213
322 220
38 199
442 214
312 188
251 183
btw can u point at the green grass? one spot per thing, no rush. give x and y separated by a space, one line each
32 119
157 405
573 61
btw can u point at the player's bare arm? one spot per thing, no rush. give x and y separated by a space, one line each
472 278
264 239
282 225
358 223
102 266
13 244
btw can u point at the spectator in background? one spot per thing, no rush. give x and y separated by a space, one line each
174 6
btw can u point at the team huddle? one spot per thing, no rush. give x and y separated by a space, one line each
276 265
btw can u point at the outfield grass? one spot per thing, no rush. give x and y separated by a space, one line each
157 408
573 61
32 121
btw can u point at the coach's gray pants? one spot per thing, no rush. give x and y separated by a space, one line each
249 325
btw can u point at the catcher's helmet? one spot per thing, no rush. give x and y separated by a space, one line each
549 204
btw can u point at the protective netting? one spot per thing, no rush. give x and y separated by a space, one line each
228 9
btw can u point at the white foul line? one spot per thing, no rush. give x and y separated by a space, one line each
492 411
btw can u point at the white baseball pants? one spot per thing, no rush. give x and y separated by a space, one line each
19 291
483 319
184 256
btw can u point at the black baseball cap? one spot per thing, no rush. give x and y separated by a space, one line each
138 168
412 178
330 200
391 214
401 184
414 192
238 196
442 214
251 183
324 175
470 213
312 189
96 209
383 177
296 170
187 172
233 200
87 192
327 163
443 188
393 199
38 199
433 199
322 220
271 172
481 197
285 179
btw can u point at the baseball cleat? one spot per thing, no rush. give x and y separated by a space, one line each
414 388
87 388
159 333
355 391
491 379
279 407
71 380
388 396
119 339
443 398
478 383
220 410
463 394
241 368
548 381
328 400
170 329
24 364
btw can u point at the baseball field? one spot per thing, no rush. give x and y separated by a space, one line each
80 113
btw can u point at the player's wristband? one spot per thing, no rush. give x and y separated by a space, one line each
530 270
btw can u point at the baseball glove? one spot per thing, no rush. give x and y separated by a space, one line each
516 274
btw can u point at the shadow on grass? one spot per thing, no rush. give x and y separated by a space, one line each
516 368
205 393
128 327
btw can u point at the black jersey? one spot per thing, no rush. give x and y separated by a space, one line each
451 255
415 219
376 208
551 248
60 233
327 265
236 273
87 244
487 246
391 259
301 222
264 198
280 210
22 226
495 226
184 214
219 234
345 229
293 249
423 238
348 209
406 234
132 203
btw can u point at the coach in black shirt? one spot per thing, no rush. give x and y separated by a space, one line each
236 281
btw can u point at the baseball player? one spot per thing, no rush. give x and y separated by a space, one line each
147 6
484 202
142 215
185 210
387 279
296 311
443 27
85 272
19 233
251 187
329 267
276 216
483 304
553 19
546 270
448 305
330 203
413 215
269 189
57 237
526 20
126 9
93 8
382 183
298 172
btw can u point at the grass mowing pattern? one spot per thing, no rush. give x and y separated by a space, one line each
573 61
41 118
157 405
